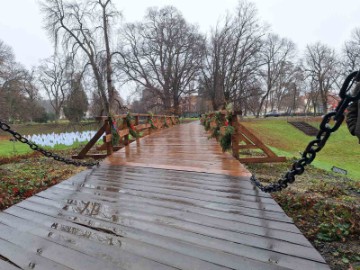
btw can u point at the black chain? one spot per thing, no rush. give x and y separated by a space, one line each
5 127
323 135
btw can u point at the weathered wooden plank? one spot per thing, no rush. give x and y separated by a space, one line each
7 266
217 206
229 192
167 236
178 216
95 243
26 259
58 254
174 230
184 255
143 202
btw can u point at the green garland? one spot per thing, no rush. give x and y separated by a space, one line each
216 130
130 126
225 141
152 126
207 123
115 138
203 118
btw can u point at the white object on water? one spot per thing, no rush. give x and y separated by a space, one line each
68 138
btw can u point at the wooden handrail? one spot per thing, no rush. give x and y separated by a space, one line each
122 116
123 132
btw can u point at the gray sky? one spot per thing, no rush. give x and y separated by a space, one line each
303 21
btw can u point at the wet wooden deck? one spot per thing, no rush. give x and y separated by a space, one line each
172 200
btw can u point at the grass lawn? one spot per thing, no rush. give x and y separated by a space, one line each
9 149
342 150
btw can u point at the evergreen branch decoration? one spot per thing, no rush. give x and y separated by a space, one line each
150 121
152 126
225 140
207 123
115 137
129 118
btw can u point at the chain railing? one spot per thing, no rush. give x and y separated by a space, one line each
323 135
6 128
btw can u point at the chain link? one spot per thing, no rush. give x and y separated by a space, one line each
323 135
5 127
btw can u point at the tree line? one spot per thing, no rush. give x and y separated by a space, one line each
165 59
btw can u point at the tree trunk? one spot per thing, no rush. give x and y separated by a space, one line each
109 71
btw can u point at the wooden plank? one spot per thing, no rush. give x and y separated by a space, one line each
175 252
165 236
57 254
247 146
123 132
99 244
255 140
186 201
176 216
143 202
26 259
7 266
107 139
142 127
92 142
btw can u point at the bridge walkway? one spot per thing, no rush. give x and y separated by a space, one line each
171 200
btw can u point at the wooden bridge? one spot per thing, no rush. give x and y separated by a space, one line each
171 200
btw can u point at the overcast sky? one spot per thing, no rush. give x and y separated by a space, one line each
303 21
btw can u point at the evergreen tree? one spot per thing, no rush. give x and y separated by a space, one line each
77 102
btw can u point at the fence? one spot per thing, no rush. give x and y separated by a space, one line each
227 128
124 127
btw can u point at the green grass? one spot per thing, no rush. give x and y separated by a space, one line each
341 150
7 148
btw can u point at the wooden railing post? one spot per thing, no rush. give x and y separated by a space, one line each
136 124
235 139
148 120
109 146
126 137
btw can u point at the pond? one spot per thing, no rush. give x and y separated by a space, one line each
67 138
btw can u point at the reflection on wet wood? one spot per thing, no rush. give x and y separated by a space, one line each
170 202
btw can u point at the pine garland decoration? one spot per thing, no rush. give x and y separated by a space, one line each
216 130
130 126
225 141
207 123
152 126
115 138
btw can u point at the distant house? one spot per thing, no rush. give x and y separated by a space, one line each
190 106
332 101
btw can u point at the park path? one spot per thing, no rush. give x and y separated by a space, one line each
171 200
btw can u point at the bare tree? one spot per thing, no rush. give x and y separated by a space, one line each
162 55
232 57
53 78
276 55
18 91
321 62
351 52
85 27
